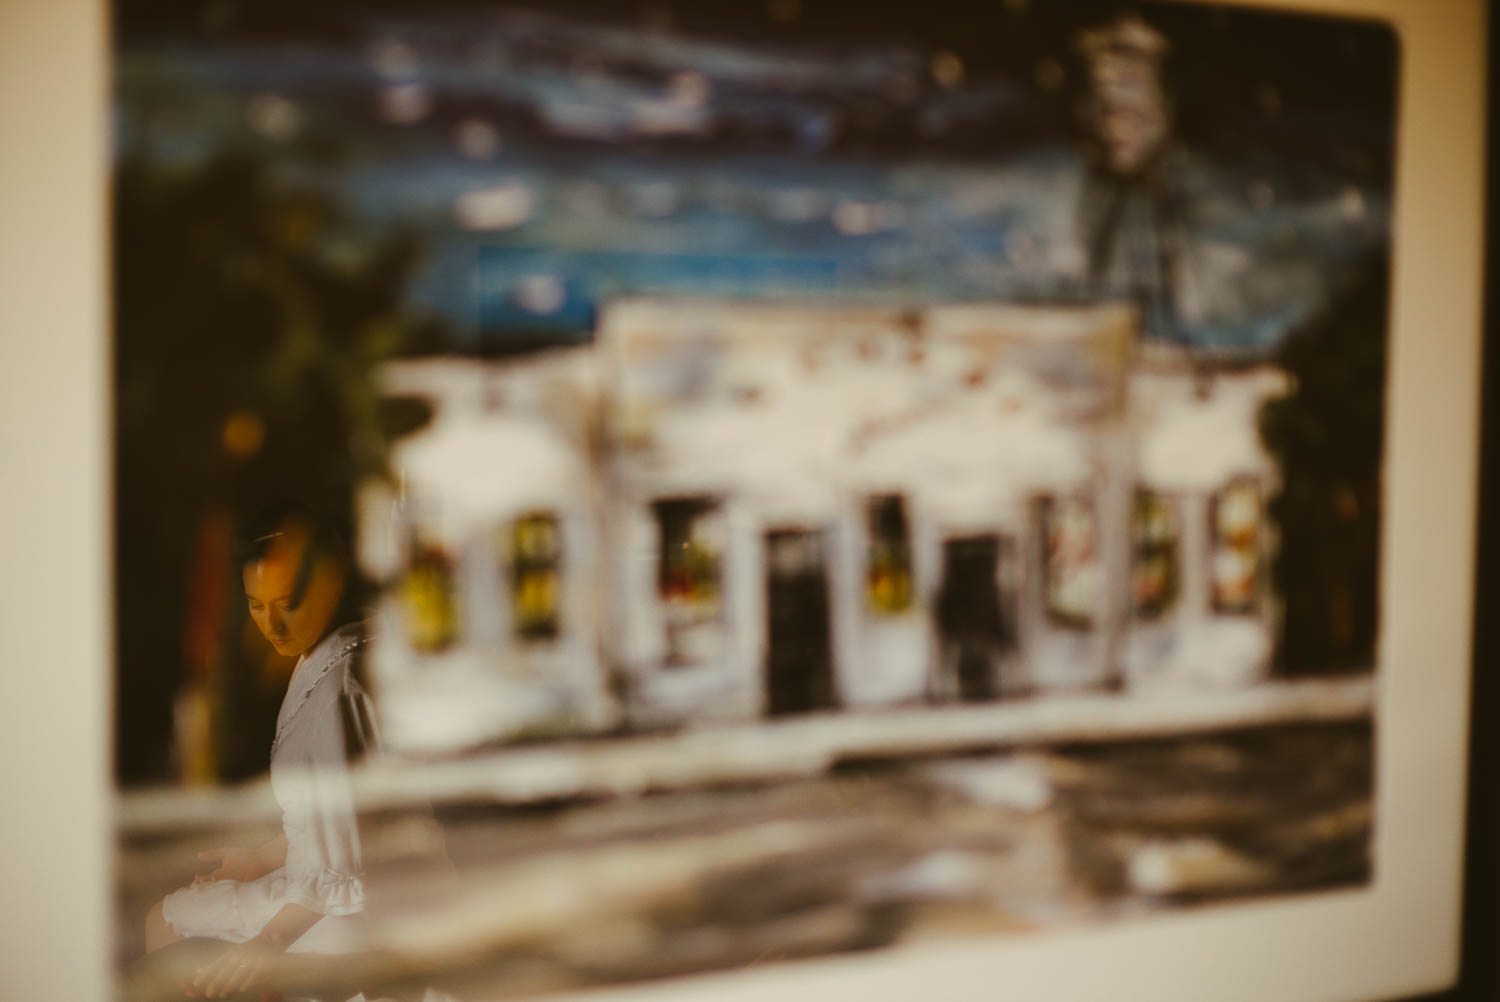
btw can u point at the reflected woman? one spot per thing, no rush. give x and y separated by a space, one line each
304 890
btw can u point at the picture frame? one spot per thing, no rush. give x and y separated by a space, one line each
1399 935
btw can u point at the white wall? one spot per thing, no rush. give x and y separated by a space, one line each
55 650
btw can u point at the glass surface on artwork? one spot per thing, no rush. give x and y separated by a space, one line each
809 483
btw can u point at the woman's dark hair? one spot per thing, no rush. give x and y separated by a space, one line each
328 537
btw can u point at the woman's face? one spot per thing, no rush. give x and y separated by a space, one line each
293 623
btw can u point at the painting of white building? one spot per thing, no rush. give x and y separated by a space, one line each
1203 612
728 423
730 510
489 546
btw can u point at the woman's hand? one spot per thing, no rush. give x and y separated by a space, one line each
246 965
237 969
243 865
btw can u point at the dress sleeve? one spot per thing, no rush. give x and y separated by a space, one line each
324 871
361 734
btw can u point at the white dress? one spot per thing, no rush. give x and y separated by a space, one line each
325 718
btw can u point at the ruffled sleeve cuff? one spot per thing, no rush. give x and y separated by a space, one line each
327 891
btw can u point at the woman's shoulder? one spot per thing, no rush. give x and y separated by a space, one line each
336 655
341 691
344 642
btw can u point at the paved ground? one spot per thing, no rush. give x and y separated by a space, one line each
577 892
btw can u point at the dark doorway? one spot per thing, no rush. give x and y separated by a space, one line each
799 659
977 612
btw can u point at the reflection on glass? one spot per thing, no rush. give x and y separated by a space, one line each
535 566
427 593
888 573
1235 520
689 576
302 890
1155 575
1070 557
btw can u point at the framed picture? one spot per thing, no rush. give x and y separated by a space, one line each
660 502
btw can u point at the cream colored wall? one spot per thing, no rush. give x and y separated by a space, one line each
55 644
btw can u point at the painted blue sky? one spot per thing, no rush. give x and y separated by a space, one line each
548 163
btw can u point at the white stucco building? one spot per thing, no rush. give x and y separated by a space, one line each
488 544
1203 613
724 510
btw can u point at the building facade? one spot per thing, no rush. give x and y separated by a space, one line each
722 511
